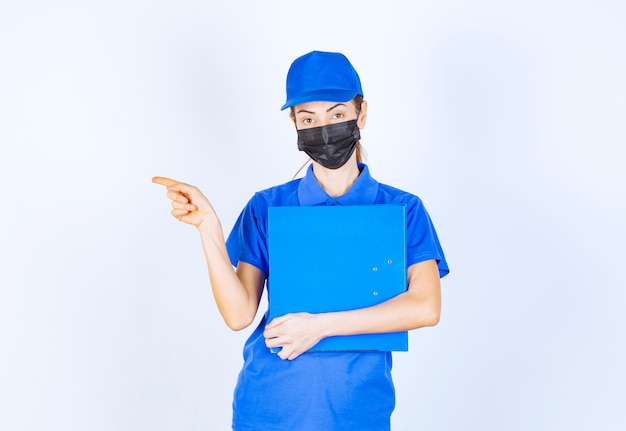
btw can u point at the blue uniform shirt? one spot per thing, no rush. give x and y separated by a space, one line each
329 391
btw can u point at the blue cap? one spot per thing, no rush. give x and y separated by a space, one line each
321 77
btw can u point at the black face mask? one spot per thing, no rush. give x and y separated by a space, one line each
330 146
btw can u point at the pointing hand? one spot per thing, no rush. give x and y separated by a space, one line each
189 205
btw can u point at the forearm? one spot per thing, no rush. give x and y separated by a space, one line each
418 307
236 299
402 313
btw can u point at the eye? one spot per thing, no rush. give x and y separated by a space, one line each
307 121
338 115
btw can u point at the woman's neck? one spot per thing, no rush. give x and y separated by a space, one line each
337 182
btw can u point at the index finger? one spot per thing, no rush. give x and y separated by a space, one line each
174 185
277 321
167 182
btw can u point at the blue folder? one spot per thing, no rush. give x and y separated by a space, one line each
336 258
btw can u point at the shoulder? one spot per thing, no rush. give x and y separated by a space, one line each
388 194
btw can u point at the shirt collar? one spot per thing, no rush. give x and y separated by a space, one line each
362 192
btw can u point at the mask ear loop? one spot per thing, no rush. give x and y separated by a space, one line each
301 167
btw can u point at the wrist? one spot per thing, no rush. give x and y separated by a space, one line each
325 324
210 227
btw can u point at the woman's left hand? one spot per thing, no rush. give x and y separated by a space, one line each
294 333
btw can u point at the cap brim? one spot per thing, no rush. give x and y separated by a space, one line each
340 96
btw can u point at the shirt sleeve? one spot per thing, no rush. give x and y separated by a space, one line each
421 238
247 241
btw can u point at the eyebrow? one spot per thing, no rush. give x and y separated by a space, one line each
328 110
333 107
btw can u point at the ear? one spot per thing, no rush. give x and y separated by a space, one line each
362 116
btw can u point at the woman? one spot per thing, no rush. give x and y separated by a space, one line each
296 389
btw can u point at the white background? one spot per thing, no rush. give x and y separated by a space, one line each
506 118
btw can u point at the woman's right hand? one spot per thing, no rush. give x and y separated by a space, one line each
189 205
237 293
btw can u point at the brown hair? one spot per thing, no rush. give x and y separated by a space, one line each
357 102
